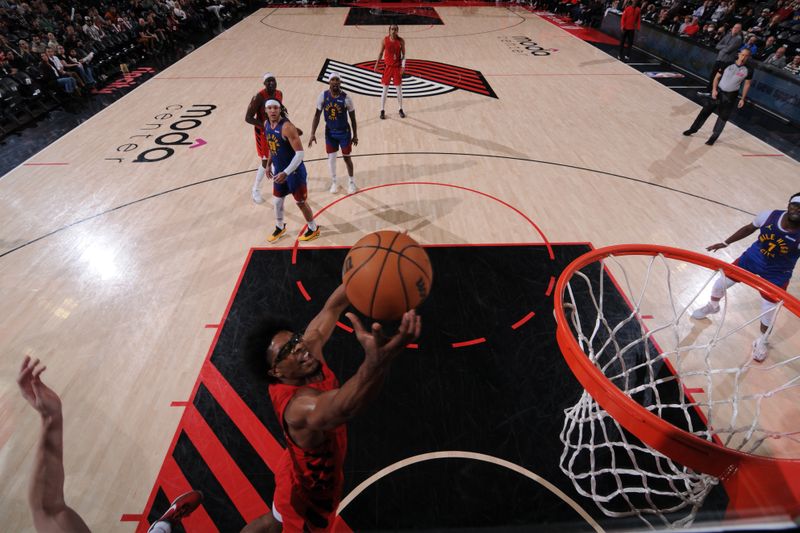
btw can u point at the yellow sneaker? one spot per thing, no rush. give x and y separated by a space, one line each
277 234
310 235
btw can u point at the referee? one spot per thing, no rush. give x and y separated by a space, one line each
724 91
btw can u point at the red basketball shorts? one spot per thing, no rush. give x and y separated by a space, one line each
392 74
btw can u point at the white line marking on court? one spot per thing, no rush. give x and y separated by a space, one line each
467 455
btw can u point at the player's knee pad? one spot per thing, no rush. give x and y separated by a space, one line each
767 311
722 284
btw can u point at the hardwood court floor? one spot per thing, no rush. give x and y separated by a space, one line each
111 269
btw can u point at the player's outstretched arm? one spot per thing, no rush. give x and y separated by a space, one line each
323 324
355 126
46 493
320 412
738 235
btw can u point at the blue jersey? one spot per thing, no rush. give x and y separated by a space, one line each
774 255
335 109
279 148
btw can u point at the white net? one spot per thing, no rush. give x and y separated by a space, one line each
698 375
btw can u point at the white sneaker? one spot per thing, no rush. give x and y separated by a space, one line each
759 350
709 309
257 196
334 188
351 187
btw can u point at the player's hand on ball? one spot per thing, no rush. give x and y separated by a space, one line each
380 348
280 177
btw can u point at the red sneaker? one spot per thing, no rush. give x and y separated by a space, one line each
182 506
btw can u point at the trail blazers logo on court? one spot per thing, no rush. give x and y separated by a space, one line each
420 79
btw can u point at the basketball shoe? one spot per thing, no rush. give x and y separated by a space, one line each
181 507
257 198
402 114
351 187
709 309
383 114
310 235
277 234
334 187
759 350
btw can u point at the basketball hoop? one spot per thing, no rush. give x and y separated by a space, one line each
642 441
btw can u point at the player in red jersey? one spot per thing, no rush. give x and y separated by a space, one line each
393 51
313 409
256 115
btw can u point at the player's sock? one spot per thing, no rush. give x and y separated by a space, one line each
312 225
332 166
260 173
160 527
383 97
400 96
278 203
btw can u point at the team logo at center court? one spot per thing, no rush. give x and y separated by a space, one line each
420 79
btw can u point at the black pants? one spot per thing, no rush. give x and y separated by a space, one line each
723 105
627 35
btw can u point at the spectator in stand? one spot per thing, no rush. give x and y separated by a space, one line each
794 66
770 47
72 64
37 46
630 21
785 9
691 29
751 45
704 10
59 66
650 14
24 57
663 18
777 59
719 12
761 21
708 34
53 78
773 28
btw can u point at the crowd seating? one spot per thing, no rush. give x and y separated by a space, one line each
54 54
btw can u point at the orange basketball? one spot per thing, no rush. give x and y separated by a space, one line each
385 274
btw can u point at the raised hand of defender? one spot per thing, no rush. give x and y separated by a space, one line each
380 348
40 396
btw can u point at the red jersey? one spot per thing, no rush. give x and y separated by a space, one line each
261 113
391 51
631 18
308 483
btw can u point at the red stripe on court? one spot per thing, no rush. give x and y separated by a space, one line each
44 164
178 404
235 484
131 518
647 317
696 390
303 290
212 326
174 483
549 290
248 423
468 343
345 327
522 320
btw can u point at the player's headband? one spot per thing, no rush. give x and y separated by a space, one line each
269 75
795 199
272 101
335 75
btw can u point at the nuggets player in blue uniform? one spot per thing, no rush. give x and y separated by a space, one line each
286 168
336 105
773 257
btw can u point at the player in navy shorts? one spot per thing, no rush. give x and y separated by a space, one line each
336 105
773 257
287 170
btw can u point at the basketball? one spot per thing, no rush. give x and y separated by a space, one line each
387 273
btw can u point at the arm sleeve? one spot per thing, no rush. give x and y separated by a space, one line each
761 218
348 103
320 100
